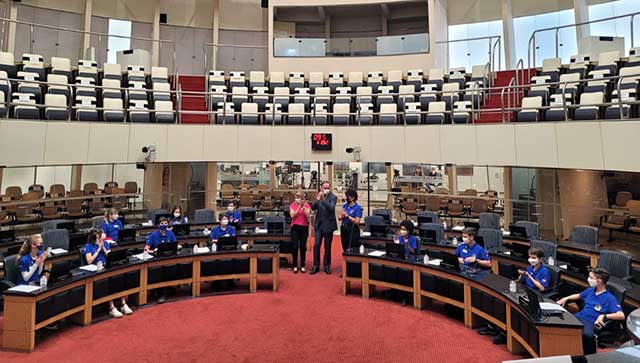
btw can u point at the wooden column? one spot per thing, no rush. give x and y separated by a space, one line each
272 175
1 172
508 205
211 185
389 168
76 177
153 185
452 174
330 173
179 184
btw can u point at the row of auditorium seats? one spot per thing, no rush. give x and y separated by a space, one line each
597 97
58 92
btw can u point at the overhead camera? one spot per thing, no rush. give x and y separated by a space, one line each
355 150
149 153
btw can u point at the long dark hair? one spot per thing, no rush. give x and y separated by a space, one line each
92 238
351 193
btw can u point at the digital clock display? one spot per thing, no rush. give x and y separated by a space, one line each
321 142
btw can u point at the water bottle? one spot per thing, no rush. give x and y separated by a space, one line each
361 249
455 241
100 266
426 258
145 255
195 249
214 247
43 282
513 288
444 225
552 262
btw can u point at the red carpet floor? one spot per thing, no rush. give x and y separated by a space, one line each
306 320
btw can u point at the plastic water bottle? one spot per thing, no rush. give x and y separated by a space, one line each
100 266
552 262
361 249
426 258
513 288
455 241
145 255
195 249
444 225
214 247
43 282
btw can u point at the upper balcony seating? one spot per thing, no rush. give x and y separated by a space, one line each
375 80
62 66
316 80
256 79
355 80
336 80
88 68
24 106
237 79
530 109
296 80
8 64
462 112
55 107
112 71
159 75
394 79
435 113
58 84
85 108
415 78
276 79
436 76
33 63
301 95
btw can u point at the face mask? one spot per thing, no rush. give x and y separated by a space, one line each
40 247
326 191
224 222
163 227
592 282
176 214
115 218
230 209
403 233
298 200
533 261
465 239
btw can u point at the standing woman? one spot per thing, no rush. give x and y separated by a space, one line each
350 216
96 251
299 210
177 217
111 226
31 261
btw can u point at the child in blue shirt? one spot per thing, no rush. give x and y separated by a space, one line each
536 276
160 235
223 230
232 214
96 250
407 238
111 225
177 217
31 259
471 254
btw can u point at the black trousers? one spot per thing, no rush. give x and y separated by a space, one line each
299 235
350 236
319 237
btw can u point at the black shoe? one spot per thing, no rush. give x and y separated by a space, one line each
486 330
314 270
500 338
404 302
327 270
162 299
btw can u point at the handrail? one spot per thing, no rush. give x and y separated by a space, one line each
492 47
518 81
511 82
222 45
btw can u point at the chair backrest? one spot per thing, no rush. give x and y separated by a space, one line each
617 290
532 102
433 215
274 219
548 247
440 238
617 263
204 216
532 228
489 220
372 220
492 239
52 224
11 268
622 198
56 238
151 214
554 276
96 221
591 98
584 234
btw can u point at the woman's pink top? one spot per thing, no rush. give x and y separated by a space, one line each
300 219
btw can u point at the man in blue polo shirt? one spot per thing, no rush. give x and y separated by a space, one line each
233 215
536 276
599 305
471 254
160 235
111 225
223 230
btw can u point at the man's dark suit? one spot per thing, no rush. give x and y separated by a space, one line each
324 226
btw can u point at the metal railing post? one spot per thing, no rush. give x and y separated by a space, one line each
564 101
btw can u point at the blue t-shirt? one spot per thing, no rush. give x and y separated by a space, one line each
542 275
219 232
156 238
463 251
354 211
24 265
93 247
413 243
234 217
596 304
111 229
179 220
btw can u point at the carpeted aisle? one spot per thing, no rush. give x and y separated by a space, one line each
306 320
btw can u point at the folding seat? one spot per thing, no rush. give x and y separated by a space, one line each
478 74
405 95
570 83
634 58
5 85
457 75
579 64
383 96
163 112
319 114
112 71
551 67
341 114
365 114
249 114
139 111
462 112
3 100
316 79
239 95
427 95
436 113
273 114
135 73
276 79
374 80
343 95
628 85
161 91
25 106
296 80
589 108
113 110
415 78
58 85
25 86
61 66
388 114
216 78
256 79
556 111
436 76
296 114
322 96
608 61
237 79
301 95
159 75
451 94
530 109
354 80
8 64
88 68
137 90
364 94
281 96
336 79
33 63
55 107
597 83
540 88
412 115
218 94
225 113
473 93
394 79
111 88
260 97
86 86
86 109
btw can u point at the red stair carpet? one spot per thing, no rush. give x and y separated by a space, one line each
307 320
494 101
193 102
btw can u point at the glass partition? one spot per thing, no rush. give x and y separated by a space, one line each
351 47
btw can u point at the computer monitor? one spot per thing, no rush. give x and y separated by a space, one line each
275 227
518 231
450 260
428 235
118 257
228 243
68 225
122 218
235 225
474 225
395 250
167 248
424 219
385 216
7 235
531 304
519 250
127 235
181 230
248 215
378 230
160 215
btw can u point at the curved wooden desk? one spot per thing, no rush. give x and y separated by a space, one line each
483 295
24 313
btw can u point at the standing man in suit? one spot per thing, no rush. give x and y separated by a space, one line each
325 224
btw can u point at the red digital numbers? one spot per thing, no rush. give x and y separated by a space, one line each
321 141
